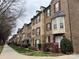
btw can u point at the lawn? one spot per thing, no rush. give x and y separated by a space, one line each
29 52
1 47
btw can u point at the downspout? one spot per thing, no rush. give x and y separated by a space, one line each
70 22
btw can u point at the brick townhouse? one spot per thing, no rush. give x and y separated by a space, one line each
48 27
59 19
25 34
50 24
21 35
37 30
18 36
29 30
13 39
64 15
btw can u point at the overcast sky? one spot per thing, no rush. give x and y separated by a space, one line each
30 7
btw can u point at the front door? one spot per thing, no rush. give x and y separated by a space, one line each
37 42
58 40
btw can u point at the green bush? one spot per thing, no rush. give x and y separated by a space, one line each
66 46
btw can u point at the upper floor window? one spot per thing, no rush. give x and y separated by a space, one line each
55 26
29 35
57 7
38 31
33 22
48 26
61 23
58 23
49 12
18 36
33 31
38 19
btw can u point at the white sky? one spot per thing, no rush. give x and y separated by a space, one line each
30 10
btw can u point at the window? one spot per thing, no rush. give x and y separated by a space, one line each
29 35
33 23
18 36
61 25
33 41
48 12
61 22
58 23
57 7
33 31
49 39
48 26
38 19
55 26
38 31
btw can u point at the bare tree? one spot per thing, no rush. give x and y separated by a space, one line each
10 10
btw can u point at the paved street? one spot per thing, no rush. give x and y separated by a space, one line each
9 53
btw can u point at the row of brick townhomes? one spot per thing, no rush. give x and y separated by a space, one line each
60 18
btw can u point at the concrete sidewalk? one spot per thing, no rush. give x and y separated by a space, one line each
9 53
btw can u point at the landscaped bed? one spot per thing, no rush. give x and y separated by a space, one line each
29 52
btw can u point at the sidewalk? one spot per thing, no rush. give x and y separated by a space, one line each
9 53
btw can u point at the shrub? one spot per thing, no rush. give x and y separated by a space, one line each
46 47
55 48
66 46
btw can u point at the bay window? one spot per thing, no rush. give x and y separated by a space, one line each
58 23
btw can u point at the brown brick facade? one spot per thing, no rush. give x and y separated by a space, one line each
74 20
69 10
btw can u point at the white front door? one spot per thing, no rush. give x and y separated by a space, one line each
37 42
58 40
